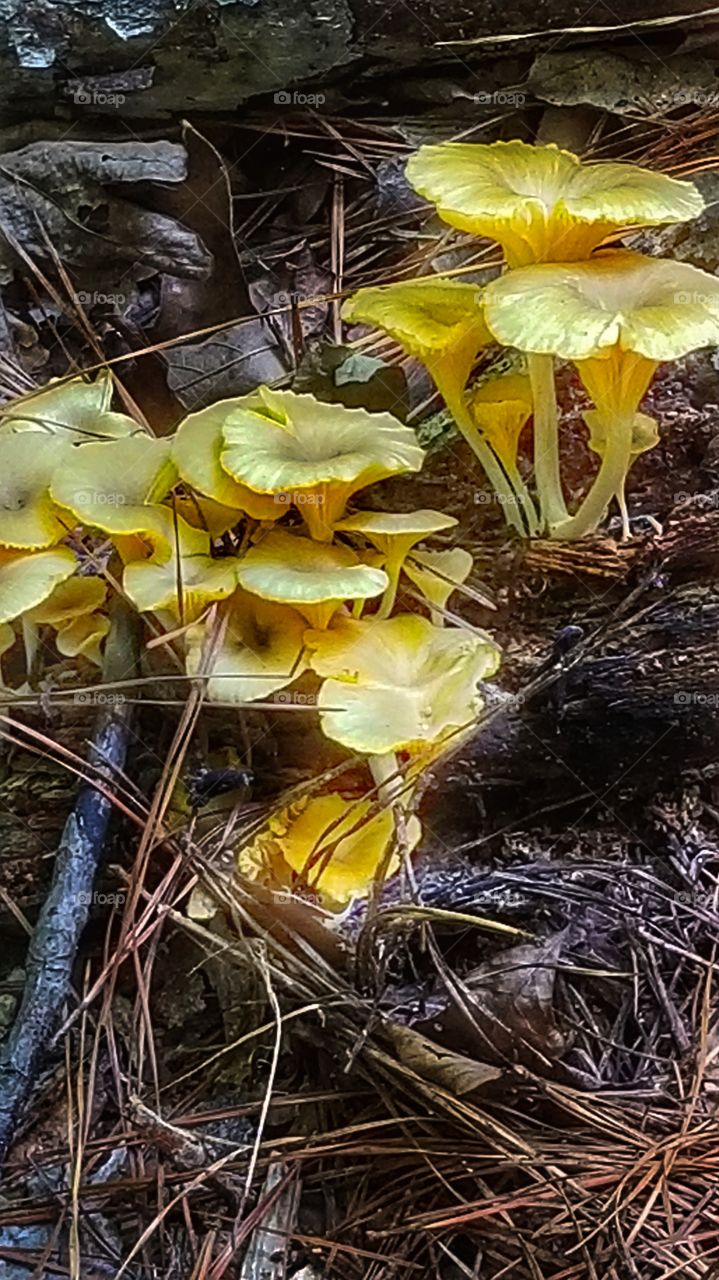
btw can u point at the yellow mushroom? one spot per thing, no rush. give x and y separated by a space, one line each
72 409
115 485
74 611
617 317
260 650
440 323
29 518
394 535
399 684
438 574
196 450
542 203
313 454
27 579
501 407
180 579
338 847
314 577
645 435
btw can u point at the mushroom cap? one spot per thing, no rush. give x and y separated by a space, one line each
83 637
297 442
645 432
502 387
395 684
259 652
111 485
196 450
28 579
531 196
28 517
426 317
438 573
72 409
337 845
655 307
184 581
386 525
293 570
71 599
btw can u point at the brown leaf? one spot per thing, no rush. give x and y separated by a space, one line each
455 1072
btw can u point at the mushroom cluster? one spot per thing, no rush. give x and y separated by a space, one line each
614 314
234 539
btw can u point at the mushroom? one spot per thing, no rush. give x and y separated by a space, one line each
394 535
440 323
314 454
315 578
114 485
259 652
336 846
180 578
617 317
544 205
72 409
399 684
26 580
196 451
29 519
541 203
74 611
501 407
645 435
438 574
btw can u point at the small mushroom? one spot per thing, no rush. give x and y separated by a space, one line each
399 684
114 485
180 579
260 650
26 580
440 323
438 574
336 846
314 454
315 578
645 435
29 518
72 409
196 450
74 611
617 317
501 407
394 535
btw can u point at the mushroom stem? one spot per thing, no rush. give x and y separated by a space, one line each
609 482
522 492
387 778
546 440
393 568
31 644
482 451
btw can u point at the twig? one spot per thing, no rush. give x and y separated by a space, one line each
53 947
